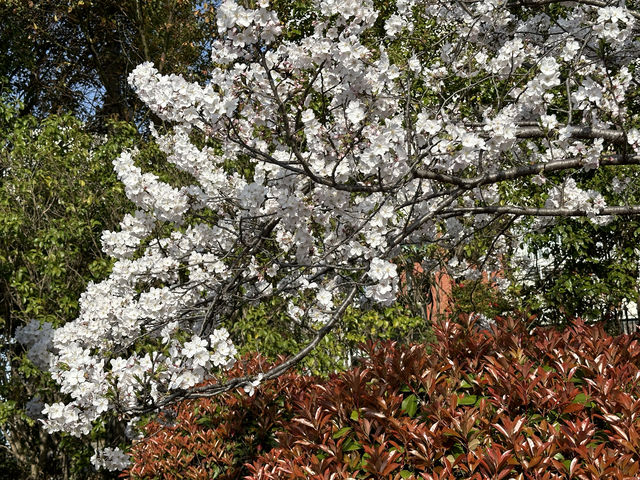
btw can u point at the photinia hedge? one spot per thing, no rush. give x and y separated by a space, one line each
477 404
215 437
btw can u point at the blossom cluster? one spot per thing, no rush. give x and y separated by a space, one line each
37 338
569 195
319 159
111 459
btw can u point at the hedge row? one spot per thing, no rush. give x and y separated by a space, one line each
506 403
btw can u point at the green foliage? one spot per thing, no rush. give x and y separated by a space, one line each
269 330
479 296
58 192
583 269
592 271
296 15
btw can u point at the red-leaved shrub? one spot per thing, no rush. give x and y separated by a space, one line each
475 405
215 437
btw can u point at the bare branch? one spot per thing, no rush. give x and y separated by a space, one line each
542 212
524 171
613 136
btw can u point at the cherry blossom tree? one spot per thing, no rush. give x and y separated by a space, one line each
313 162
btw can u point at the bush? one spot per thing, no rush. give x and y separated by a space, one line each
505 403
215 438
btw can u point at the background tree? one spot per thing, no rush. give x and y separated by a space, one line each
456 128
578 269
74 57
57 194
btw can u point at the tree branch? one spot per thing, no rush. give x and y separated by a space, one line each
542 212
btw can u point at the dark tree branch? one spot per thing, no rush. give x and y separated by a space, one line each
541 212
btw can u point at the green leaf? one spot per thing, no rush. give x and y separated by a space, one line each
410 405
581 398
350 445
467 400
205 420
341 433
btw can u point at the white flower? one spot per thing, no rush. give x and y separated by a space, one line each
195 346
549 66
549 122
469 140
219 335
110 459
394 25
324 298
250 387
571 47
308 116
380 269
414 64
54 411
427 125
355 112
481 58
633 137
608 24
538 180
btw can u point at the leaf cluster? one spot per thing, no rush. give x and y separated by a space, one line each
581 269
269 330
505 403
